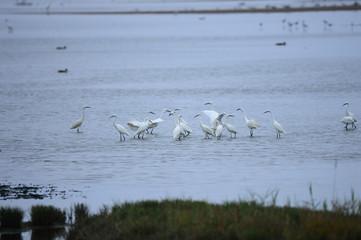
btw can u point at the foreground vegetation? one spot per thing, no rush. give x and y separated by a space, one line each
186 219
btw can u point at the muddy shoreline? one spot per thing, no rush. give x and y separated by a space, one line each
267 9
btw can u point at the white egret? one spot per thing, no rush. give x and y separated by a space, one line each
79 122
187 129
178 131
213 115
122 131
350 114
276 125
231 129
156 122
206 129
251 124
219 125
347 120
134 124
143 127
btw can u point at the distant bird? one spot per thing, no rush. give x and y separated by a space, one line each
277 126
350 114
10 27
63 70
281 44
347 120
61 48
206 129
122 131
251 124
230 128
78 123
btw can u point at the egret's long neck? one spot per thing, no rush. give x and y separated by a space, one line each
83 115
347 113
161 115
115 119
245 117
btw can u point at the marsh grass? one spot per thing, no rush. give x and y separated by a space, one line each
187 219
11 217
45 216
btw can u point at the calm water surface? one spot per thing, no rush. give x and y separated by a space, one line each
129 64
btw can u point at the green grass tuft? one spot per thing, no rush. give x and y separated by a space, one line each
11 217
186 219
47 216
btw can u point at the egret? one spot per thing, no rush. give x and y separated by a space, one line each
143 127
347 120
178 132
206 129
251 124
350 114
219 125
122 131
134 124
78 123
276 125
231 129
184 125
213 115
156 122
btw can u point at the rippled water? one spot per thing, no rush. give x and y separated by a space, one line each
129 64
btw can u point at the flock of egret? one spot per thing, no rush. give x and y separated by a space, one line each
181 129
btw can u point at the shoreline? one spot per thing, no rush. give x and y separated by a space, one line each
270 9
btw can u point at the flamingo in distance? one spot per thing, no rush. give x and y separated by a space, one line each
279 129
121 130
79 122
251 124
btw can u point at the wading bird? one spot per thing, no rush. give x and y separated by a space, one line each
122 131
350 114
78 123
219 124
206 129
231 129
251 124
276 125
347 120
156 122
143 127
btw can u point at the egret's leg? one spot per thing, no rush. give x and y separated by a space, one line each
123 137
77 130
120 135
152 131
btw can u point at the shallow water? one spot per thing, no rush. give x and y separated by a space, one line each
128 64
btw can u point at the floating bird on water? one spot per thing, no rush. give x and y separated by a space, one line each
78 123
61 48
122 131
277 126
63 70
251 124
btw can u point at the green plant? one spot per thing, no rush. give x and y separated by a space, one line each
11 217
47 216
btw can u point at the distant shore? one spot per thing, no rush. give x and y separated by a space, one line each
268 9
